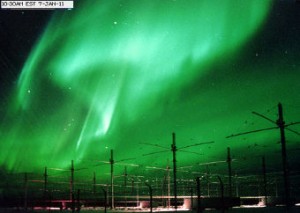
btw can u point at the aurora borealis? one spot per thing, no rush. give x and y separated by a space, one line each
116 74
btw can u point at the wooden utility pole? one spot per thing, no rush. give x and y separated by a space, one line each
281 124
45 185
125 185
199 207
222 193
94 189
229 173
105 200
169 185
94 184
25 191
72 180
78 200
264 179
111 160
150 194
174 149
192 197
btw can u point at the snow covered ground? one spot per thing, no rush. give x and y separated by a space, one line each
295 209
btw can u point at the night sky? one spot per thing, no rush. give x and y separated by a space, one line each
125 74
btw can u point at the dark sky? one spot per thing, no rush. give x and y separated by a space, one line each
19 32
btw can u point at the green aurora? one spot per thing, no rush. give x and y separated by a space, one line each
117 74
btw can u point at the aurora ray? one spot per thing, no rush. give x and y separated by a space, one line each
101 68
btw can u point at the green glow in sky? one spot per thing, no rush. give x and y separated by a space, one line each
111 74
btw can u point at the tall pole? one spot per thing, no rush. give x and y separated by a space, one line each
192 195
111 160
264 178
105 199
73 203
150 194
281 123
229 172
45 185
125 185
72 180
132 185
174 169
207 180
199 207
137 193
78 200
94 184
169 188
25 191
222 193
94 189
236 186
